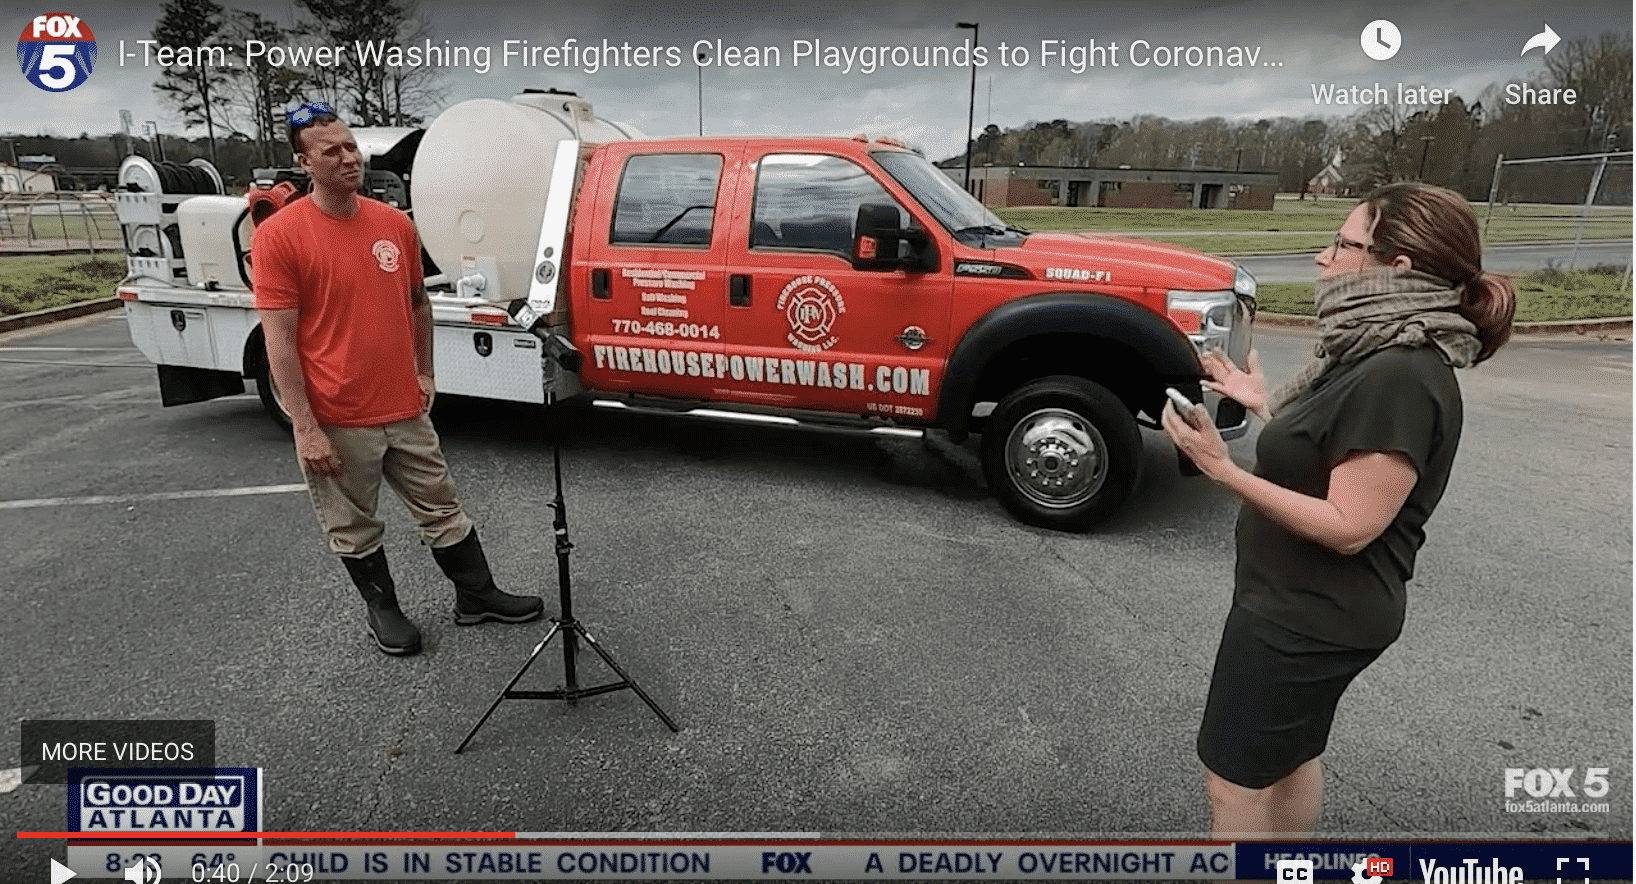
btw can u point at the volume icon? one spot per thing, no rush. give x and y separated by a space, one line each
146 871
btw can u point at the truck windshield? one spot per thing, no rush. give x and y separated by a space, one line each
956 210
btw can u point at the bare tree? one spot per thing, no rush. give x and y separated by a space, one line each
369 90
988 143
412 91
192 90
1452 143
1314 151
257 92
1446 150
1381 148
1599 72
1049 144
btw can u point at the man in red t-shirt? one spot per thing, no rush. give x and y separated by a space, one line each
349 347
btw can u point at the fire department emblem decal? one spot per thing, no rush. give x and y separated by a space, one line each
811 304
386 255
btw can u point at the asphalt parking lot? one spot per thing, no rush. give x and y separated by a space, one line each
852 635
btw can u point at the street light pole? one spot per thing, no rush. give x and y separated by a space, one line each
700 67
971 106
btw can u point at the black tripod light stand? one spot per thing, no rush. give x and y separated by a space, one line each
564 624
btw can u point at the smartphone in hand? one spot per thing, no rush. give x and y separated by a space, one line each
1190 411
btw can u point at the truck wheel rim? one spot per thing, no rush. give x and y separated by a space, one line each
1056 458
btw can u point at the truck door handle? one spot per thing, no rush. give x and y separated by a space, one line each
599 283
738 290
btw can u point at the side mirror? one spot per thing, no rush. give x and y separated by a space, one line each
876 242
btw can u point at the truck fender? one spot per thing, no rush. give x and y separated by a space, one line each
255 368
255 352
1168 353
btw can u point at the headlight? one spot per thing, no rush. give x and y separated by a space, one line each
1202 313
1243 282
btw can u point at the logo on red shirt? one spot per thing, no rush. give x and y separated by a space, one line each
386 255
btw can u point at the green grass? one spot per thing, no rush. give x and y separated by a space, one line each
1250 244
1542 296
70 231
29 283
1308 218
53 224
1308 225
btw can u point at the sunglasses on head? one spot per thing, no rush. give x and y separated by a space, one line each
306 113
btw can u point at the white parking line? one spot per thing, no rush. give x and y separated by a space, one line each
76 364
139 498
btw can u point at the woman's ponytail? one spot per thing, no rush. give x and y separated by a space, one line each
1489 302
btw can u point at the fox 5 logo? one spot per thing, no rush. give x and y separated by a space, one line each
1555 782
56 51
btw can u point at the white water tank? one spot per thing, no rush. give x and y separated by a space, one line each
482 174
215 233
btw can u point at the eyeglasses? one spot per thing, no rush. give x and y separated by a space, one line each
306 113
1341 244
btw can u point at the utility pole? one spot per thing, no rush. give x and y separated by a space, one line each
971 107
703 56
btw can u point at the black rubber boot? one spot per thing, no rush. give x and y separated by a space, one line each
393 632
476 598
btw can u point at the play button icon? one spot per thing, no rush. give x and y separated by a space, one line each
60 872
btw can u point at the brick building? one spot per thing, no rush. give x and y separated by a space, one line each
1006 186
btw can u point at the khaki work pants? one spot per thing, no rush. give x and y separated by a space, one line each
408 456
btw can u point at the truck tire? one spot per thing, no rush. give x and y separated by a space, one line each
1062 453
268 391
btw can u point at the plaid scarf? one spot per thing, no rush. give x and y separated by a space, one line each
1362 313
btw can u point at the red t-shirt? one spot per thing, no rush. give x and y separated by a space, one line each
350 282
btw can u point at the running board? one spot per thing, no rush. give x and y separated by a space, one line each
834 424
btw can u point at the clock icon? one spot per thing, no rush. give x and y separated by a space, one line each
1380 39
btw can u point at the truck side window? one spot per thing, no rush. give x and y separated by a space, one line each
668 199
810 202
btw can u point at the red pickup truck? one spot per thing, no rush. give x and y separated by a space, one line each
838 282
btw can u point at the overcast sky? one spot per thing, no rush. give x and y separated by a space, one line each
1445 43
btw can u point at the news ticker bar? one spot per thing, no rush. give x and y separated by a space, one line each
431 858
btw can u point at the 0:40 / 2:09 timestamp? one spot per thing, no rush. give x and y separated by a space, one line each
230 872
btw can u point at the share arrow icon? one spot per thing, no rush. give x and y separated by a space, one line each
1546 38
60 872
